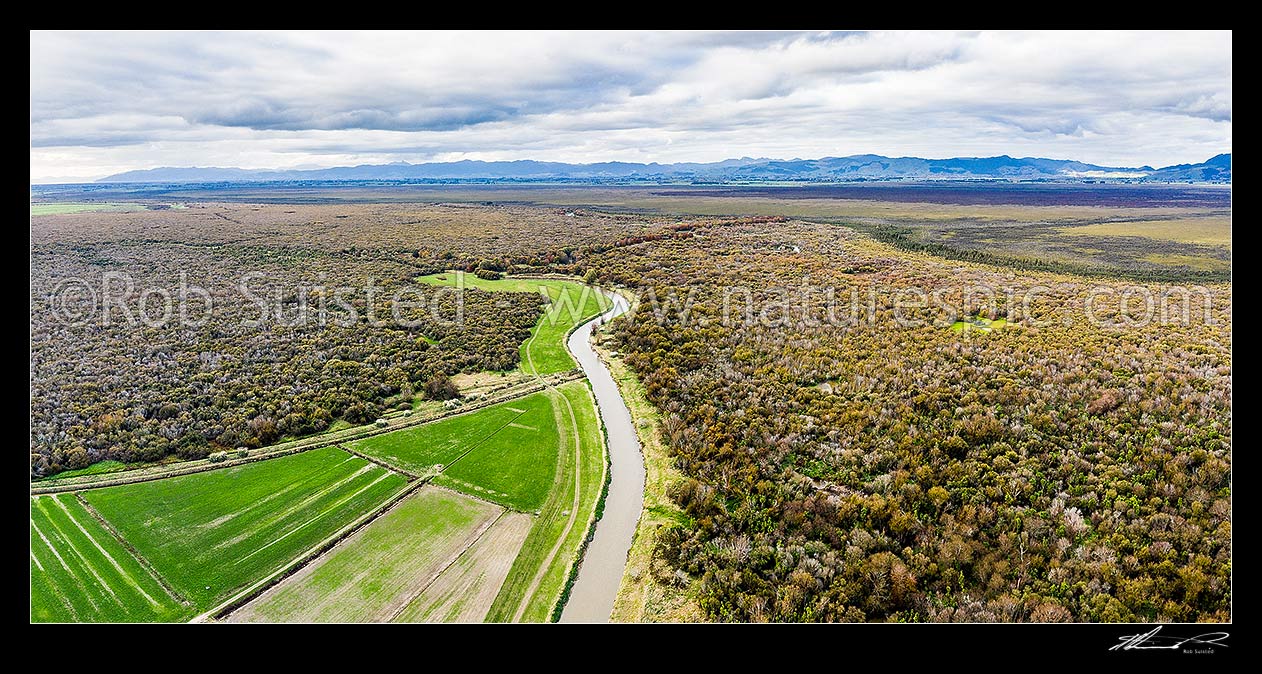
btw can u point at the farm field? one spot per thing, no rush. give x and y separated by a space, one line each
427 448
374 574
1208 231
390 570
541 571
505 453
70 208
463 592
210 534
515 465
81 573
572 304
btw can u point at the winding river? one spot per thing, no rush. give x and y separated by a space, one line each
591 599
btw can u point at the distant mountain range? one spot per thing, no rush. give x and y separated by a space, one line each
828 169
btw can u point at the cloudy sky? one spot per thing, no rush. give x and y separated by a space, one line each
108 102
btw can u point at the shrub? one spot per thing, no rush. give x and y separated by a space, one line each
441 387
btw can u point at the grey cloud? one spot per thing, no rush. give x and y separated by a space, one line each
93 140
132 100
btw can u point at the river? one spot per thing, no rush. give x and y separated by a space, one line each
592 597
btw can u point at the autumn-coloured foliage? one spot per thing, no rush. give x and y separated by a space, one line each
847 454
1066 467
106 387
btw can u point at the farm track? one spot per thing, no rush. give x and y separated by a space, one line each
345 447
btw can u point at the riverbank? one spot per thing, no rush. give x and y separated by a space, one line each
648 591
600 574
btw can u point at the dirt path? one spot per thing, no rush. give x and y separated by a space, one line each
345 447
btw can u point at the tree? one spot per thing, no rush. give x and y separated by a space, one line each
76 458
441 387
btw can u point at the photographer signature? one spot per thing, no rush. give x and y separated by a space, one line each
1155 641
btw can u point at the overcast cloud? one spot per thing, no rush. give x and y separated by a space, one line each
102 103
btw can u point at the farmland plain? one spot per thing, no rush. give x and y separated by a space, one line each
540 574
377 571
81 573
209 534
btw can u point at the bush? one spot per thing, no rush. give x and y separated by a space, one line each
488 275
217 457
441 387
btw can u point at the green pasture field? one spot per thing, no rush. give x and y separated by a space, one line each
512 459
210 534
515 465
67 208
422 449
505 453
516 600
81 573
